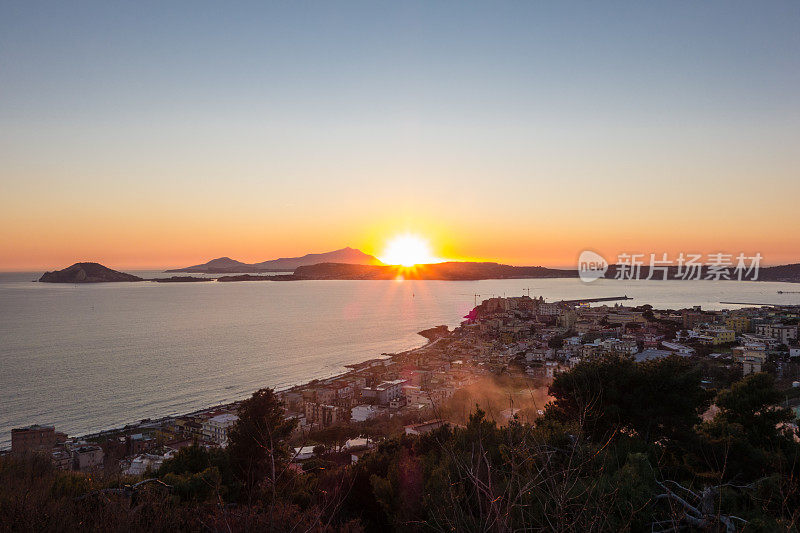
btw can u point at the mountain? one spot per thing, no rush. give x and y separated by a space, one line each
345 255
786 273
474 271
780 273
87 273
226 265
219 265
452 270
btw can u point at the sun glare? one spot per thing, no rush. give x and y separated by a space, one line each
407 250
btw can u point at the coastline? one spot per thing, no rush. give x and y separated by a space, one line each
149 423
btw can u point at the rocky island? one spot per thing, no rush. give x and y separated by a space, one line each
87 273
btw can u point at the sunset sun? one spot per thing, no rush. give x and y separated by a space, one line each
407 250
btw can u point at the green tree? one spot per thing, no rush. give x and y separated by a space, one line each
656 399
753 403
258 445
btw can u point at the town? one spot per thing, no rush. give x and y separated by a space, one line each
511 345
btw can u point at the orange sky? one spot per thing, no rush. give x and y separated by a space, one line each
550 237
159 136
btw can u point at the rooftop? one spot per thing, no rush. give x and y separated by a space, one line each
34 427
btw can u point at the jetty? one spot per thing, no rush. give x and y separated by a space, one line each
595 300
759 304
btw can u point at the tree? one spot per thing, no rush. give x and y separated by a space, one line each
656 399
258 441
556 342
752 405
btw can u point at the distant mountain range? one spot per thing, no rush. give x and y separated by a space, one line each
453 271
226 265
474 271
439 271
789 273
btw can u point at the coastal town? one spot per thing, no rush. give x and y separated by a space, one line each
515 345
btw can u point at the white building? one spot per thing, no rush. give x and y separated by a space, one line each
142 463
384 392
87 458
680 348
216 429
362 413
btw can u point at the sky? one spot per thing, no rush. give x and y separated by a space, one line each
164 134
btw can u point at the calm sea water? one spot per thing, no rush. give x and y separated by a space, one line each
92 357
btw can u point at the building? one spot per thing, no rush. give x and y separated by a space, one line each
87 457
651 354
425 427
216 428
61 459
694 318
752 357
626 317
362 413
139 443
714 334
324 415
143 463
738 323
33 438
624 346
785 334
679 348
384 392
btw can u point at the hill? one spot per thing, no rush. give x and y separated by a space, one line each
226 265
453 271
87 273
781 273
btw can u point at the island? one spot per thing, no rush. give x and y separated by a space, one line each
87 273
226 265
447 271
451 271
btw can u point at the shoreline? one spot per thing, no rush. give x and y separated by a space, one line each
147 423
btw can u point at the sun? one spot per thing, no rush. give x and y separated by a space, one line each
407 250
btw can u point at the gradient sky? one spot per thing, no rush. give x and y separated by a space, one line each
150 134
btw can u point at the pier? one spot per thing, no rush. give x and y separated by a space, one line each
595 300
759 304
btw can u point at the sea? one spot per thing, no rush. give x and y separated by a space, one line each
98 356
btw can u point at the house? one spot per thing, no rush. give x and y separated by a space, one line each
651 354
216 428
384 392
87 457
679 348
142 463
714 334
362 413
324 415
425 427
784 333
61 459
738 323
752 357
303 453
35 438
